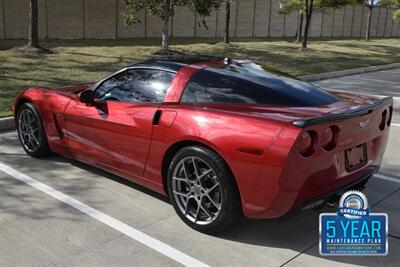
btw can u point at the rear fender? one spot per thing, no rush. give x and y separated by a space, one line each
272 169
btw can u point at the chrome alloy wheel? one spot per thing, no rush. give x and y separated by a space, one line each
197 190
28 130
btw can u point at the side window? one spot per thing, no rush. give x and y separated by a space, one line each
209 87
136 85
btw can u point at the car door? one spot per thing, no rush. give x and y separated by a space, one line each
115 130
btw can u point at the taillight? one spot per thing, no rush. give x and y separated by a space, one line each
383 121
308 143
390 116
329 138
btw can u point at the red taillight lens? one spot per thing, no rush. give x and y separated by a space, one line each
308 142
390 116
383 121
329 138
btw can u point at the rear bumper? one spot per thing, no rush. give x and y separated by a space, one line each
307 180
356 185
285 202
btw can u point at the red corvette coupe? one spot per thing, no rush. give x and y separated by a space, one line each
220 137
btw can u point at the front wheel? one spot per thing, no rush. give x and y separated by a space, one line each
31 132
203 190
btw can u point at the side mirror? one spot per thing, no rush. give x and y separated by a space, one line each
87 96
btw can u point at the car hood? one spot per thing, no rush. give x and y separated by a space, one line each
74 88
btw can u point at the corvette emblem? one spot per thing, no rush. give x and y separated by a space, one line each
363 124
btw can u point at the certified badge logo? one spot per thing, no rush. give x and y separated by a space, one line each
353 205
353 230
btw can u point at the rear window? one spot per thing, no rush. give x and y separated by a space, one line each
250 84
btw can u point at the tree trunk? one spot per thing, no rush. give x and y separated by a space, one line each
300 29
165 26
33 25
309 11
306 29
165 33
368 30
227 21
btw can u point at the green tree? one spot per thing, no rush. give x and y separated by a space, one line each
370 4
396 4
310 7
396 14
164 9
290 6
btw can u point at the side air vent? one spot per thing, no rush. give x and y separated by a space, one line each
59 131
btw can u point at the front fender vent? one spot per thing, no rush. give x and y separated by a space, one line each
58 129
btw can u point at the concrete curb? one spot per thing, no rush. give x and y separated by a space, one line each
7 124
335 74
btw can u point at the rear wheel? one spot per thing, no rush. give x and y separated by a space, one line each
31 132
203 190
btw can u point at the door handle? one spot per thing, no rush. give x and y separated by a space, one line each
157 117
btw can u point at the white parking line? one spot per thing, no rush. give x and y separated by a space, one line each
380 81
125 229
396 124
387 178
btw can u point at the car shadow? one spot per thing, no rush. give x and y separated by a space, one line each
118 179
298 231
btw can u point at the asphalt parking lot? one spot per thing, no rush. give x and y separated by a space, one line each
381 83
59 212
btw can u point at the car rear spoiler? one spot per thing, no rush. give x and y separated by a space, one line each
344 116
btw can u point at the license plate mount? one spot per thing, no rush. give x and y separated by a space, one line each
356 157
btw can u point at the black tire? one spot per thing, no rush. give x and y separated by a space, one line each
230 210
42 149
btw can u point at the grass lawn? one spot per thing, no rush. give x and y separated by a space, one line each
90 60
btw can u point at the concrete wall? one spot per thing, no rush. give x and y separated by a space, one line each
348 21
358 22
276 21
338 22
245 18
2 26
291 25
316 25
16 25
327 23
66 19
396 28
249 18
181 26
100 18
261 23
205 27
